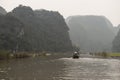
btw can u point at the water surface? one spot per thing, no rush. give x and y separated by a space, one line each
60 69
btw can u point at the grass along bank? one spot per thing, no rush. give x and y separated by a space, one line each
9 55
106 55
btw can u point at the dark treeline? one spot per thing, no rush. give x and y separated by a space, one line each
24 29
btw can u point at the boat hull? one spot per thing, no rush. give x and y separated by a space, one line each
75 56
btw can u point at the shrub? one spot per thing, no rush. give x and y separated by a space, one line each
4 54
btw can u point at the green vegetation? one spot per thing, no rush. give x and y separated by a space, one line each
4 54
100 54
9 55
21 55
28 33
44 30
10 28
106 55
24 30
114 54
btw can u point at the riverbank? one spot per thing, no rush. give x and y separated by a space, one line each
9 55
18 55
4 55
106 55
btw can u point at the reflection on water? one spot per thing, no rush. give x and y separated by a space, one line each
60 69
30 69
91 69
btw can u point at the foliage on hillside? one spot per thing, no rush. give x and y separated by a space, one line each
10 32
26 30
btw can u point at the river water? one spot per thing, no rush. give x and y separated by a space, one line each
60 69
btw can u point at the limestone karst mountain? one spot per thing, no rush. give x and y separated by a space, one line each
91 33
44 30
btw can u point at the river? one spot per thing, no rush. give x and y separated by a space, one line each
60 69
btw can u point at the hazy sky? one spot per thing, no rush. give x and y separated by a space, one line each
108 8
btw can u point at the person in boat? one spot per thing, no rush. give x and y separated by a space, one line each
76 54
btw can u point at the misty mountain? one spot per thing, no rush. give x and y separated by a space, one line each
116 41
43 30
2 11
116 29
91 33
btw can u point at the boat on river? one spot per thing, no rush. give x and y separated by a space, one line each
75 55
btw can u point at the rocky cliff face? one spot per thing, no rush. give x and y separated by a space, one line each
44 30
116 41
10 29
116 29
92 33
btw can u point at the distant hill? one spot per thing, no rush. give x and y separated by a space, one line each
2 11
116 29
116 41
91 33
